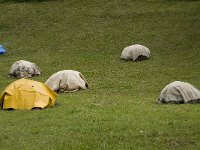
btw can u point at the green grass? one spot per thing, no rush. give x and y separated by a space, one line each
120 109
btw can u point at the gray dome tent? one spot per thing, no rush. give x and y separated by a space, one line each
24 69
179 92
135 52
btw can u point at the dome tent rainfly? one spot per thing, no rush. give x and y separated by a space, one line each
27 94
2 49
24 69
179 92
135 52
67 81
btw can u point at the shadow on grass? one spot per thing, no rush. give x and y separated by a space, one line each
21 1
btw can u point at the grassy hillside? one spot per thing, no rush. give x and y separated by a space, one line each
120 109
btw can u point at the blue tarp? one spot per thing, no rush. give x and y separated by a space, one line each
2 49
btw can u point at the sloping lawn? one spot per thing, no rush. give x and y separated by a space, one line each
120 109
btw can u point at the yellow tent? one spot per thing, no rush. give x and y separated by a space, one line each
27 94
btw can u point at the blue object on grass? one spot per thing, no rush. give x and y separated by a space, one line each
2 49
